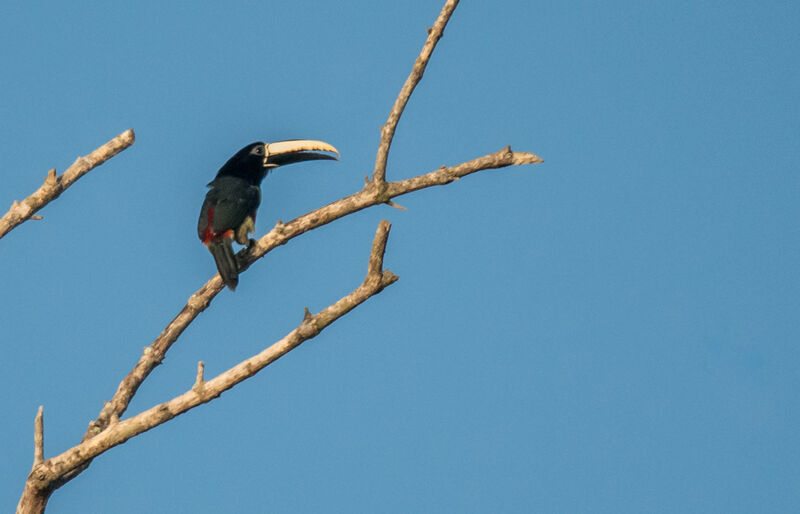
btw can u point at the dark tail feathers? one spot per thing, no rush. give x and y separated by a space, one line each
222 250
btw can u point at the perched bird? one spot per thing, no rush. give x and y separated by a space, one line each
229 210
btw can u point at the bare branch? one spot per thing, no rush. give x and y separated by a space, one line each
387 131
54 185
445 175
52 470
38 437
280 235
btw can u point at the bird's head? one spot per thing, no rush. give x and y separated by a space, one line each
255 160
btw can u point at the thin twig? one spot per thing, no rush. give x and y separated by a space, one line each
199 380
387 131
374 282
38 437
396 206
54 185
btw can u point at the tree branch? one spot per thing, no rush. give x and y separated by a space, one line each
282 233
387 131
54 185
49 474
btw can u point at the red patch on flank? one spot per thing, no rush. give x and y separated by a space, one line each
209 234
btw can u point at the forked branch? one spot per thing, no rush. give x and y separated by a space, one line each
387 131
369 196
48 474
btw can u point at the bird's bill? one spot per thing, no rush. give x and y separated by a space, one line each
296 150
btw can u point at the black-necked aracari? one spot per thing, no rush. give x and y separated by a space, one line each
229 210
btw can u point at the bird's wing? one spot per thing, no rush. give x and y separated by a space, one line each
233 201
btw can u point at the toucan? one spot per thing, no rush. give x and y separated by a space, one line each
229 210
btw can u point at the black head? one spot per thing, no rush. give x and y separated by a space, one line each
247 163
255 160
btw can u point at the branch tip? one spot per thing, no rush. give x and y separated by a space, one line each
306 314
388 278
395 205
199 380
38 437
520 158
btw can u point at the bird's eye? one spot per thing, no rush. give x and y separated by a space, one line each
258 150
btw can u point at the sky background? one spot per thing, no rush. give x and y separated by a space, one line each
615 330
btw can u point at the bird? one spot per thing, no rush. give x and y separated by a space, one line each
229 210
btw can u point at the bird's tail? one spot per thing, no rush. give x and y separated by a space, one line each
222 250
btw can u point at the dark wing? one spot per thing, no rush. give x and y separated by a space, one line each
229 201
229 212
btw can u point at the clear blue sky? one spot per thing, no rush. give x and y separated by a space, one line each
615 330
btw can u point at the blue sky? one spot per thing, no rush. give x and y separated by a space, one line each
614 330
